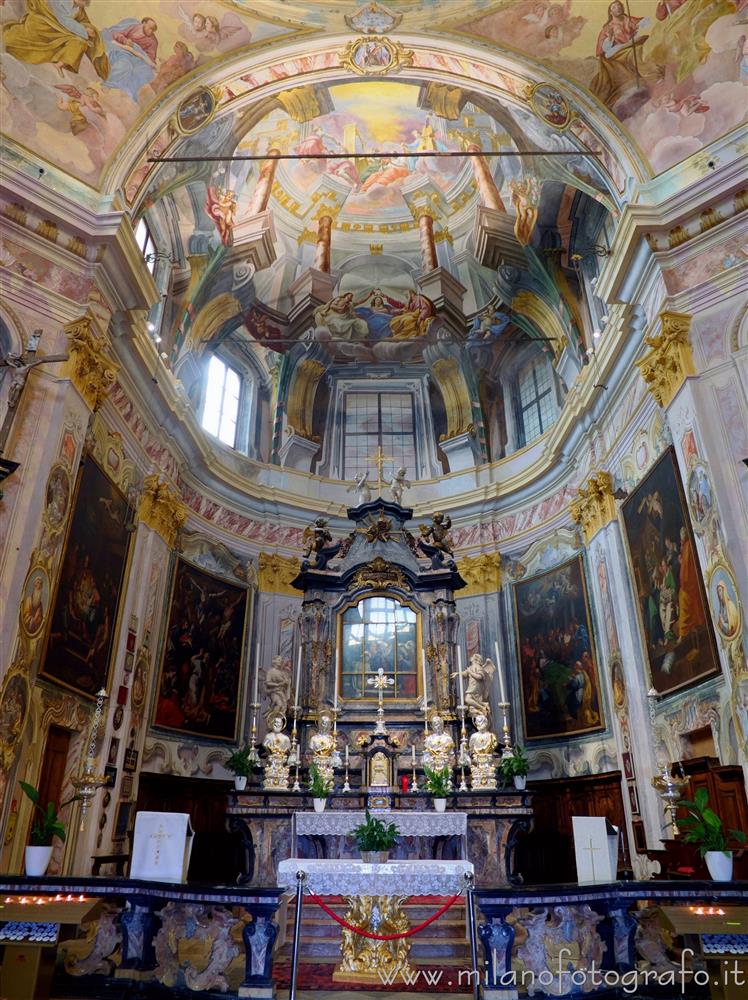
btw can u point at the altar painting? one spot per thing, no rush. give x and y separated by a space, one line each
678 633
201 668
84 615
378 632
558 668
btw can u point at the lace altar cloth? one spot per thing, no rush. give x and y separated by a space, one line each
339 823
395 878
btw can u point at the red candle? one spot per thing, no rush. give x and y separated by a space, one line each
404 782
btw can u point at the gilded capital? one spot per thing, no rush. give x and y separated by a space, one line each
594 505
277 572
162 509
90 367
481 573
670 360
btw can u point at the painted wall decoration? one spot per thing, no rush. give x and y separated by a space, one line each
201 668
558 667
725 602
675 618
35 601
85 607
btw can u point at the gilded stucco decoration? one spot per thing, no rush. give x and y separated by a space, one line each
277 572
670 361
375 55
90 367
594 505
481 573
379 575
162 509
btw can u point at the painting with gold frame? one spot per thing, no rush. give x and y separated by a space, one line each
558 666
199 687
376 631
84 618
670 594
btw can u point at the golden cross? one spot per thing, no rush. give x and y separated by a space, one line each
379 459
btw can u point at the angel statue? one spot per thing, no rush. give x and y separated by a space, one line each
479 673
361 487
319 545
398 483
277 688
436 534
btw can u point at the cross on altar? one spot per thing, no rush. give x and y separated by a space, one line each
379 459
592 851
380 683
160 835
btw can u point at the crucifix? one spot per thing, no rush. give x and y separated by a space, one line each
379 459
380 683
592 851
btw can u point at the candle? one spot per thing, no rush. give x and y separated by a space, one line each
413 754
459 676
346 755
335 689
257 675
298 678
425 689
500 672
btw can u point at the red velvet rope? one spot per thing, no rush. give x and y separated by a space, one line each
384 937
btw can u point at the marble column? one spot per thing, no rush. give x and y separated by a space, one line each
489 193
261 193
324 239
429 259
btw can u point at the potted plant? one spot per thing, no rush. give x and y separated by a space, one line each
437 783
375 839
43 832
703 827
515 766
319 789
241 765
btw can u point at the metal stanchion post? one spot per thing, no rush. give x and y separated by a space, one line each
300 879
475 974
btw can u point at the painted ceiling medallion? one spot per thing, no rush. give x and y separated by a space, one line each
551 105
375 56
372 19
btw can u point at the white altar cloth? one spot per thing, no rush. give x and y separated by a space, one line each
339 822
395 878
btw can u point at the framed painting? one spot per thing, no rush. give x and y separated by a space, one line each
558 667
201 663
84 615
678 634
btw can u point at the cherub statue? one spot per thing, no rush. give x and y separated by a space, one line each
398 483
319 544
361 487
436 534
479 673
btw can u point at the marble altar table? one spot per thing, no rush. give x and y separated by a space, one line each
375 893
339 823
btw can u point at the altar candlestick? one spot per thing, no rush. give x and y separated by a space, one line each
413 754
346 755
335 687
459 676
257 674
500 672
425 690
298 678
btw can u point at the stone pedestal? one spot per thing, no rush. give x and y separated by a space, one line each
462 451
297 453
254 240
494 239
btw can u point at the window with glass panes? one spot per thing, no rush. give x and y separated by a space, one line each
378 632
221 407
536 399
375 420
145 241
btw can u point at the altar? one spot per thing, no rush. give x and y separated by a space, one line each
339 823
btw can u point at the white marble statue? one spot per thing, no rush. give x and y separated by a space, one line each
278 746
398 483
277 688
360 486
479 673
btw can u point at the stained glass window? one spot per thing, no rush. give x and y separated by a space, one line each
379 632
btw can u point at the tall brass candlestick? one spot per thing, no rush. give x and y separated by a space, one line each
506 738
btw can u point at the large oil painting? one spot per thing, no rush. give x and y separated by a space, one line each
198 691
670 592
84 616
558 669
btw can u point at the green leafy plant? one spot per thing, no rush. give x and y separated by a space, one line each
437 782
513 766
703 827
49 825
318 787
240 762
374 835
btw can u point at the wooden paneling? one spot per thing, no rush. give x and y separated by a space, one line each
547 854
54 768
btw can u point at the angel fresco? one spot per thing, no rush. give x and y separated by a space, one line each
57 32
220 205
77 102
207 33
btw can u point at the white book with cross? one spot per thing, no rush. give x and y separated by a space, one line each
596 848
162 843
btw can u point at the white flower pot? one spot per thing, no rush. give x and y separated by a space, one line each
319 805
240 782
520 782
719 865
37 860
440 805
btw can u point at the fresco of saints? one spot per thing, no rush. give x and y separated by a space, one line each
132 46
57 32
619 72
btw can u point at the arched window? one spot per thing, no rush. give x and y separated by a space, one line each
536 402
378 632
221 406
144 239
